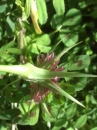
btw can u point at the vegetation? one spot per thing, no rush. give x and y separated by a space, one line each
48 65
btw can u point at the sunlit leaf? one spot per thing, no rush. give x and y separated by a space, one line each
80 121
30 118
68 37
57 21
33 48
44 49
95 128
25 106
71 111
14 51
59 6
43 40
8 58
79 62
72 17
42 11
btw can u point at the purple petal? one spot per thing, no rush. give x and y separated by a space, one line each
61 68
50 57
56 79
55 64
41 58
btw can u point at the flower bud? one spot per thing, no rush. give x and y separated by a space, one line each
34 17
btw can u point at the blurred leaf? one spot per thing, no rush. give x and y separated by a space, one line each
79 83
65 51
95 36
2 99
0 34
25 105
9 114
93 100
42 11
69 88
79 62
61 30
95 128
81 121
10 25
10 5
43 40
20 3
59 123
51 85
82 4
29 111
25 108
6 46
45 109
3 82
71 111
3 6
94 14
72 17
8 58
14 51
68 37
70 128
33 48
47 116
30 118
41 45
3 125
57 21
59 6
44 49
54 110
3 52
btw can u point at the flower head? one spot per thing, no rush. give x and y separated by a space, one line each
38 91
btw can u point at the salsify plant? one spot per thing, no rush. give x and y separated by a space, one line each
38 83
44 75
45 62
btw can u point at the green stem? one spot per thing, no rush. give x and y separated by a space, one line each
52 33
20 70
31 72
10 84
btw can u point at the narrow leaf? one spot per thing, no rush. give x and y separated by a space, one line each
65 51
14 51
46 109
38 73
51 85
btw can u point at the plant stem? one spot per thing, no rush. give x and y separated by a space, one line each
20 70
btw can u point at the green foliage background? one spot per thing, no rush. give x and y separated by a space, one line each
63 24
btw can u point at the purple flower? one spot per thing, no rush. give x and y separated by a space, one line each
38 92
